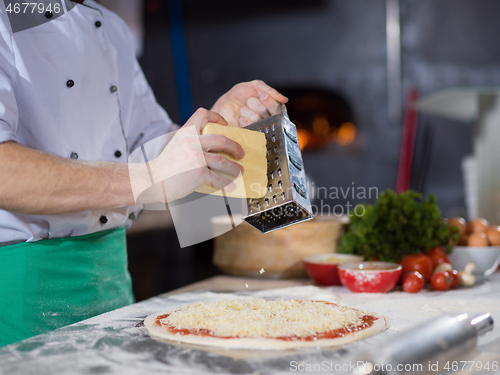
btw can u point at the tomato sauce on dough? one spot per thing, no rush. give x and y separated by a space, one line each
367 321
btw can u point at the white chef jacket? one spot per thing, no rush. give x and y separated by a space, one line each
72 87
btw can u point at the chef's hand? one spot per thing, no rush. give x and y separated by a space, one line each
249 102
189 160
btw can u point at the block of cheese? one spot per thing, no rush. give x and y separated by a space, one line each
253 183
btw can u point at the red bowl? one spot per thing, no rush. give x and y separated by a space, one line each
322 268
369 277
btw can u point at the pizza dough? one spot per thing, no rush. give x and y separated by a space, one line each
262 324
253 183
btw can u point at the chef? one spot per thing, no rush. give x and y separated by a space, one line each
74 104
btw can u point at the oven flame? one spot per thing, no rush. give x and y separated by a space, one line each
321 126
323 118
303 136
345 134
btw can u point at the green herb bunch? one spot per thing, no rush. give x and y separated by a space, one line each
397 224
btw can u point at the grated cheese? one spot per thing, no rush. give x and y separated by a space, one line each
263 318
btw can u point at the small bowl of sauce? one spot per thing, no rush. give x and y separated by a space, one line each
322 268
369 277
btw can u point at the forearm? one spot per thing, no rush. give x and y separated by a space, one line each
33 182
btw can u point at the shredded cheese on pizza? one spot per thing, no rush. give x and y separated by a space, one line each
259 318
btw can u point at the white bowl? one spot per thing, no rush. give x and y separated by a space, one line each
486 258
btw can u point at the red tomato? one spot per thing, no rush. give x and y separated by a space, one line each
441 281
454 278
437 256
417 262
413 282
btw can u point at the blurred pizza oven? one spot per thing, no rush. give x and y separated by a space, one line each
323 118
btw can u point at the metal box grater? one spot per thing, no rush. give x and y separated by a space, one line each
287 200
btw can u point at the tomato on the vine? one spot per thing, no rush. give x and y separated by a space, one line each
437 256
417 262
413 282
441 281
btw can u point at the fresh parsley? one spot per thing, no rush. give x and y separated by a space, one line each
397 224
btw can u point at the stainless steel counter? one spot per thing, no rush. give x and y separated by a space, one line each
118 343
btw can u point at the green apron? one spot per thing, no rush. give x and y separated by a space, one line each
48 284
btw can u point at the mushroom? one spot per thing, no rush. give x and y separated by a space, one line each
466 277
443 267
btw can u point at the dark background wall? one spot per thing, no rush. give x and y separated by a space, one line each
340 45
